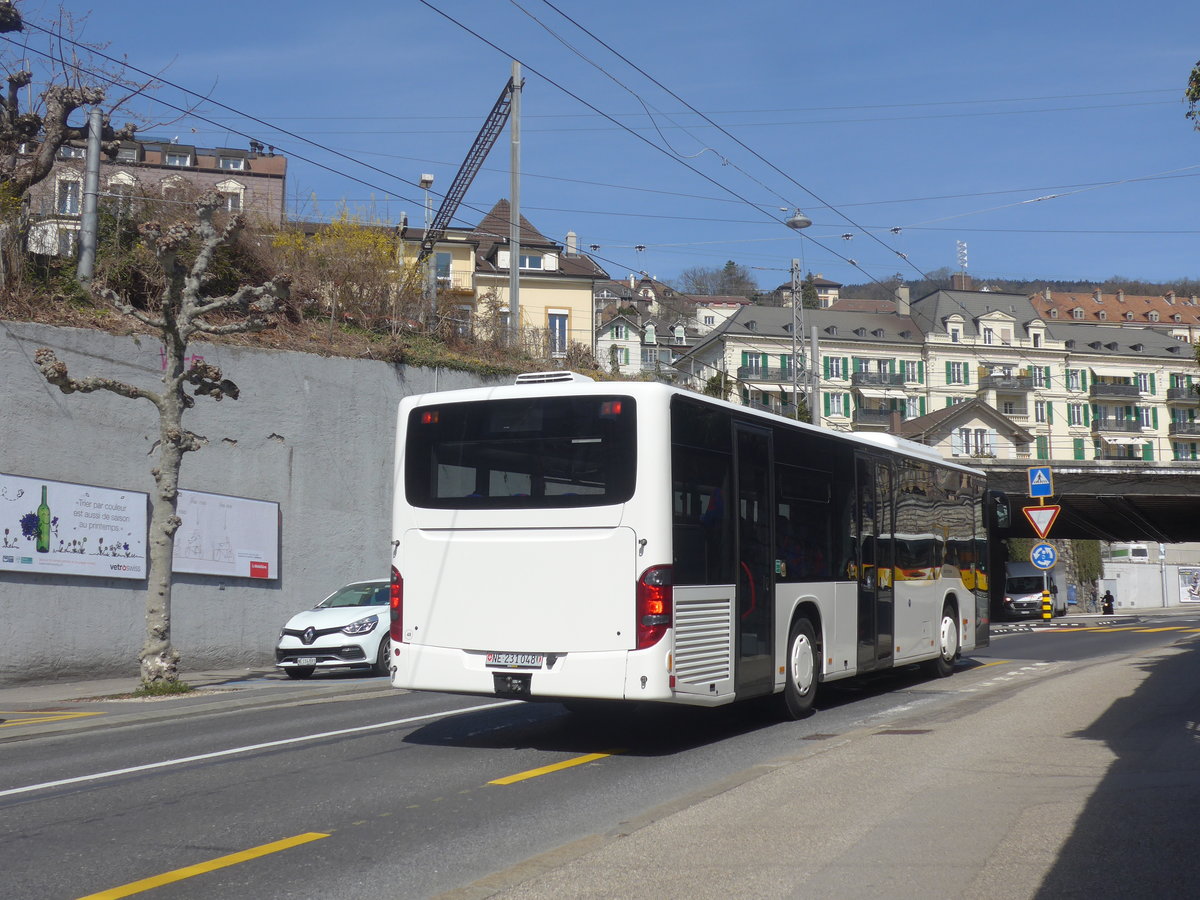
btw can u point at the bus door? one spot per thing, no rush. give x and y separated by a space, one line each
756 561
876 563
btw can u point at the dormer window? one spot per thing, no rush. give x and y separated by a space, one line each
1111 345
831 330
878 332
66 151
679 335
1153 315
861 332
531 261
1077 313
177 159
1054 313
1102 315
1070 343
955 335
1128 317
1138 347
128 154
752 325
650 335
234 163
1177 318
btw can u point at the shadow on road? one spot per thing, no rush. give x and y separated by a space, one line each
1135 836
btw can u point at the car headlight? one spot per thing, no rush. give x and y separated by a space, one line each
362 626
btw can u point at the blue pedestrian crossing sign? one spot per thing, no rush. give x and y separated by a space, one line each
1044 556
1041 482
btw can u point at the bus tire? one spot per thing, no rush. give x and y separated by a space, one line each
801 666
942 665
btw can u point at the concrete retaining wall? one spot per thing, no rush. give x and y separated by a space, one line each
311 433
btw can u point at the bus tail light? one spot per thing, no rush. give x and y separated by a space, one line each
396 603
655 601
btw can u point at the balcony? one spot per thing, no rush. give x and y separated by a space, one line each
872 418
1008 383
1183 395
876 379
1123 426
1183 428
1106 389
774 376
455 284
1016 413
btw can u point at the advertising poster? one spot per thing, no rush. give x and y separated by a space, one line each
230 536
1189 585
71 529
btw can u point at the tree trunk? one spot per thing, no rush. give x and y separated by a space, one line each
159 661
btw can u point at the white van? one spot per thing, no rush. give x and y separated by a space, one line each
1023 586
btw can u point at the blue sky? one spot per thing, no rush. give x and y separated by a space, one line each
909 126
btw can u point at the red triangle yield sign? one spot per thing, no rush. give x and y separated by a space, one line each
1041 518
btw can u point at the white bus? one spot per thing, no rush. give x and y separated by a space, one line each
560 539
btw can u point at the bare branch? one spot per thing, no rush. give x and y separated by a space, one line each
208 382
113 299
55 372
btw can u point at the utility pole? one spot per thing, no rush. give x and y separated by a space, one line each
88 224
797 335
514 210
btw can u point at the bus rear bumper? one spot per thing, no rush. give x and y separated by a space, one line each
595 675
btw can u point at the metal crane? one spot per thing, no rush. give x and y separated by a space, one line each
484 141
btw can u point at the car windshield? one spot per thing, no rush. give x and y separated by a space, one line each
374 593
1025 584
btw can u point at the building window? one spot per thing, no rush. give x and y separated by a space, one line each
1143 382
462 321
989 336
127 154
1009 408
529 261
1074 413
1073 380
1145 414
912 407
619 332
1039 376
912 371
956 373
837 403
231 201
834 364
68 197
649 357
557 326
177 159
955 335
1037 338
68 152
710 320
233 163
1077 313
1039 411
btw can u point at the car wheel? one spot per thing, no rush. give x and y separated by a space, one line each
943 664
803 666
300 671
381 660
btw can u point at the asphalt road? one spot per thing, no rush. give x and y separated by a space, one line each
379 794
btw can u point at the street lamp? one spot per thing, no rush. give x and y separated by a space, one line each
797 221
426 183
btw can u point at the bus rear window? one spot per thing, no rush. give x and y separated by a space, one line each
534 453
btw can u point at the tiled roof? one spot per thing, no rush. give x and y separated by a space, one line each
1117 308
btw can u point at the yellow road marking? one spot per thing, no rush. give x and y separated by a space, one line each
36 718
221 862
556 767
996 662
1164 628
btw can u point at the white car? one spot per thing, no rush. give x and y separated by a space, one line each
346 630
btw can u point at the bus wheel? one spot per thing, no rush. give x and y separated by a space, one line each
802 667
943 665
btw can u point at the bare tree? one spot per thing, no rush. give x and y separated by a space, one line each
182 312
31 138
1191 96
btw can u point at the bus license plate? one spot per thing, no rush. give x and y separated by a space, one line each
509 660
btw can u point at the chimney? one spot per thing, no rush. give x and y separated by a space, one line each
572 244
1120 295
632 283
1048 295
902 306
1097 296
961 281
1171 297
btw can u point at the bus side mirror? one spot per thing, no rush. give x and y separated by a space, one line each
999 509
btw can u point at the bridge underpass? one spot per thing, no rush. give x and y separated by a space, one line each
1107 500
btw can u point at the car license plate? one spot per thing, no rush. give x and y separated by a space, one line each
306 661
512 660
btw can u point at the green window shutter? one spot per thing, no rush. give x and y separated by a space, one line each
1153 389
845 404
825 363
966 373
825 399
949 372
892 366
763 362
745 359
1046 383
1083 385
1086 414
1148 451
1049 413
1154 416
922 406
949 401
1043 450
845 367
1078 448
921 373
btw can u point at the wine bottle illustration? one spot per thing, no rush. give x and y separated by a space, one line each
43 525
